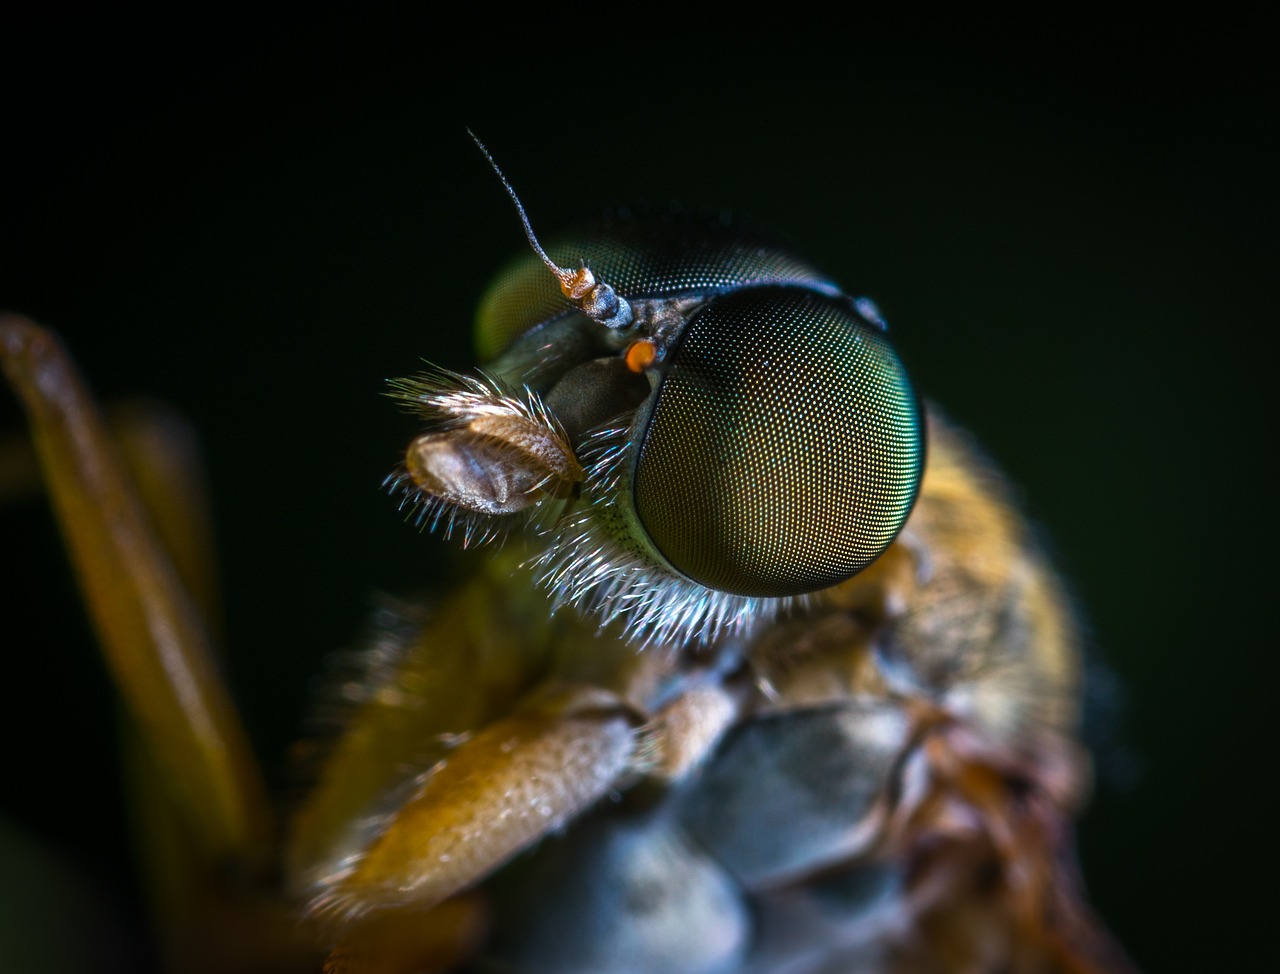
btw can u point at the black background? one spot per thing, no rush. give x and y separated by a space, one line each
260 220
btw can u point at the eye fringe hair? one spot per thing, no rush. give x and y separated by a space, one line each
585 567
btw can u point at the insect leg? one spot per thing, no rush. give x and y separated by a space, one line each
516 780
155 644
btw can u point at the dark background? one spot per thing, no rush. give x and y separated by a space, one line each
259 221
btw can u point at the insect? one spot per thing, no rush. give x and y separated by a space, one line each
764 672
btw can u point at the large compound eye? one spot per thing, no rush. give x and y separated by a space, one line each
784 448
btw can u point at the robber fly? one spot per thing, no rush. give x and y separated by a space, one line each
764 672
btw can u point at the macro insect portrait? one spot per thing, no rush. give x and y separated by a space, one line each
807 589
759 668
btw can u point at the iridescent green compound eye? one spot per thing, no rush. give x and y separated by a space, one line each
778 445
784 448
697 425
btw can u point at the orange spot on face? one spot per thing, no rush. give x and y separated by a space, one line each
640 355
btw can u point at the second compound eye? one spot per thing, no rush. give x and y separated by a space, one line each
784 448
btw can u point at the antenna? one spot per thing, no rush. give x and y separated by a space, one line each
596 299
